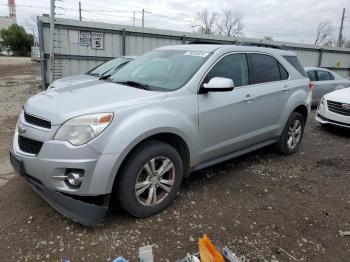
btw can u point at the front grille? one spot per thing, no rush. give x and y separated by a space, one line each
29 145
37 121
339 108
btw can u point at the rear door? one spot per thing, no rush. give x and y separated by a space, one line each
271 90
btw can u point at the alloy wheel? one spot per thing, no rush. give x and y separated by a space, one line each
155 181
294 134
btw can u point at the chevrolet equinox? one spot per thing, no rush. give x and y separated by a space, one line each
131 139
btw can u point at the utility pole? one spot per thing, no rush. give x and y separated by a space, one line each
133 22
52 29
79 10
52 38
340 37
143 18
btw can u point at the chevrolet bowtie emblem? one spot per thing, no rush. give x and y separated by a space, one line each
21 129
346 106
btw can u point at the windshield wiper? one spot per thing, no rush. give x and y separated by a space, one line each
135 84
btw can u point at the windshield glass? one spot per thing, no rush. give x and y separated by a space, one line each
162 70
109 67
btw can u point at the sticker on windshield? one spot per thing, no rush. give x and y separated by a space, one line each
196 53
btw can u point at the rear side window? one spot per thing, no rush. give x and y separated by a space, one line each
265 68
323 75
234 67
294 61
311 75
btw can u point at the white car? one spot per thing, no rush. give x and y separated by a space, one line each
334 108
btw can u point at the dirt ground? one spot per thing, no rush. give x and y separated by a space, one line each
264 206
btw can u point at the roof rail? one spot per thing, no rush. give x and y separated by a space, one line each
211 41
233 42
261 44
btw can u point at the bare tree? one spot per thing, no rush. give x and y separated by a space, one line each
231 23
347 44
323 32
207 21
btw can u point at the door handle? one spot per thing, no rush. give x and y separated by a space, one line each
249 98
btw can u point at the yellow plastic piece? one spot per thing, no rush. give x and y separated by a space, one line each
208 252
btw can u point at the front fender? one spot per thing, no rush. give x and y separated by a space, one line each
141 124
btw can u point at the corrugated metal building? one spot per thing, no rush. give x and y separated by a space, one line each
81 45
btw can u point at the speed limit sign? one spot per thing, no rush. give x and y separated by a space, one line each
97 40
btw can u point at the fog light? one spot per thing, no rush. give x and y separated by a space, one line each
74 177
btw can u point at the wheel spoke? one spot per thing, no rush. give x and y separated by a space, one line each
167 165
148 169
150 200
298 130
155 198
141 187
165 186
153 165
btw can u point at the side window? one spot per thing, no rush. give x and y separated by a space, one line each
234 67
265 68
323 75
283 72
311 75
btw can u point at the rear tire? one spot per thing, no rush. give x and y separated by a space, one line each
142 190
292 134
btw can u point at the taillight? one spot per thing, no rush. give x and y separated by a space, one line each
311 85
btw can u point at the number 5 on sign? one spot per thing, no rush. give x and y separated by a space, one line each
97 40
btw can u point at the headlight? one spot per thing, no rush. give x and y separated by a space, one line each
83 129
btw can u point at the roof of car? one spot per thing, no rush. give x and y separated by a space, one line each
212 48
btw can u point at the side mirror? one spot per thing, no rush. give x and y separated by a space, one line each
218 84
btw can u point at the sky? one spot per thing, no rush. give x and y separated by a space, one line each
284 20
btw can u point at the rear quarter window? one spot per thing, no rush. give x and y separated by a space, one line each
294 61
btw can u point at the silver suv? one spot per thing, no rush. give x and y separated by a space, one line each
132 138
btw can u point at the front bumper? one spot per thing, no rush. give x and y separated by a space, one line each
85 213
327 117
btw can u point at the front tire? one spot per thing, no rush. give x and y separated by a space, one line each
149 179
292 135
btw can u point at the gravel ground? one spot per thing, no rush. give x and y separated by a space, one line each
264 206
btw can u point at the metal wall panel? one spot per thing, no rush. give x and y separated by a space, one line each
308 58
72 58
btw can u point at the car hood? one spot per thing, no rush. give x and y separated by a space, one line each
73 80
58 105
342 96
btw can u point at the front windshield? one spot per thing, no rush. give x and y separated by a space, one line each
109 66
164 70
